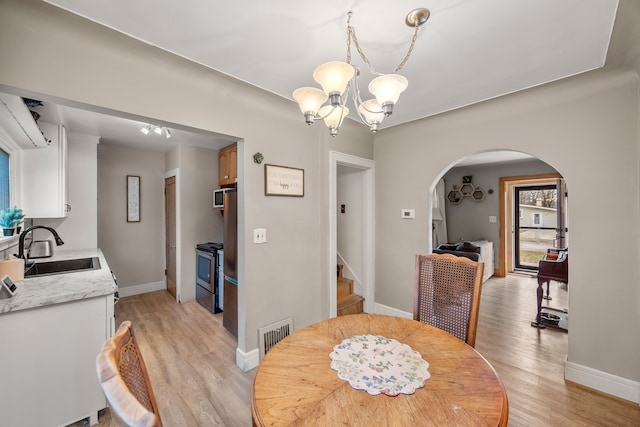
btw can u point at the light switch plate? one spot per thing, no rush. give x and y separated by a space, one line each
492 218
408 213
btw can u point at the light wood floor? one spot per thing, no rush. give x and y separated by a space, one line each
191 359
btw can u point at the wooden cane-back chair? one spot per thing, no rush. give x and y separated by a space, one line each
447 294
125 382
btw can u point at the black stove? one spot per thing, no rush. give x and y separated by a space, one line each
211 247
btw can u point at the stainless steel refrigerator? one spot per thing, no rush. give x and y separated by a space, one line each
230 213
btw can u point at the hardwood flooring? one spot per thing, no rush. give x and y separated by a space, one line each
191 359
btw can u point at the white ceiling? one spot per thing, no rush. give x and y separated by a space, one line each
468 51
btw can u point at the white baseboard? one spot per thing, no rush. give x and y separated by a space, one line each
390 311
603 381
127 291
249 360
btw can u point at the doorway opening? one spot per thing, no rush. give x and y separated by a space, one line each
532 219
172 229
364 169
535 221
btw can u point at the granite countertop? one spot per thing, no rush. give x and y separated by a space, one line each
42 291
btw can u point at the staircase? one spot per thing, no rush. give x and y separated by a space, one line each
348 302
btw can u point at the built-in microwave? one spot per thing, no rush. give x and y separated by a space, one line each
218 197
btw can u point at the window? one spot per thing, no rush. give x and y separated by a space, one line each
5 193
521 213
537 219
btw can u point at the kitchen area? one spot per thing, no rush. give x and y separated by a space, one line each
216 262
54 324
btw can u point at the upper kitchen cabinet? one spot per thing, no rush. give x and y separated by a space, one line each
43 175
228 166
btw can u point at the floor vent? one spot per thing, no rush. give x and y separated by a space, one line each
272 334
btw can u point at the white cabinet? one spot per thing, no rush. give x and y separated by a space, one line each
48 361
43 176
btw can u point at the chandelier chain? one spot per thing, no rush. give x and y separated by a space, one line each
351 35
410 51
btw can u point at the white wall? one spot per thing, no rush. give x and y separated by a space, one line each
585 127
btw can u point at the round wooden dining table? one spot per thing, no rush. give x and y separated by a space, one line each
295 384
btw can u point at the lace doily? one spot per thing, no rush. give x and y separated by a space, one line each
379 365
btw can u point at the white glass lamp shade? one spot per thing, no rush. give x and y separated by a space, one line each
333 118
334 76
371 111
309 99
387 89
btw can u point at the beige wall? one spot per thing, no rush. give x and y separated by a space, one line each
134 250
586 127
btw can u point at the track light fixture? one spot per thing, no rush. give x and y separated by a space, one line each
337 78
157 130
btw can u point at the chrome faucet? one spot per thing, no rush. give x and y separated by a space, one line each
33 227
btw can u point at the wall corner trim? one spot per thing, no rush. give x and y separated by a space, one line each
603 381
249 360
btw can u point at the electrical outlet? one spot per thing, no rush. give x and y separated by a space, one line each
259 235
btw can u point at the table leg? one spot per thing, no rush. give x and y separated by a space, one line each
547 297
539 293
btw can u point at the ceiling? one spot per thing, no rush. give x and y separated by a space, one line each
467 52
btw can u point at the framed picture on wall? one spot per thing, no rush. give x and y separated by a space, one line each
283 181
133 198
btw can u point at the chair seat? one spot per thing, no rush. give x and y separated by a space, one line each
125 382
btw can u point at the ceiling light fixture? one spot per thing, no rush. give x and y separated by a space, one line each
336 79
157 130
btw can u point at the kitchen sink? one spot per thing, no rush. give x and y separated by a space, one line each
61 267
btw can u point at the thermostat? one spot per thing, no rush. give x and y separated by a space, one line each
8 284
408 213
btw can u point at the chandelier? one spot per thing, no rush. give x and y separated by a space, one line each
338 78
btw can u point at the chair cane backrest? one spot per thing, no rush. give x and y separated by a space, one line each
125 382
447 294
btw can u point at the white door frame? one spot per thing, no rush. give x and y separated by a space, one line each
368 245
168 174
